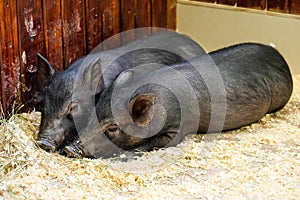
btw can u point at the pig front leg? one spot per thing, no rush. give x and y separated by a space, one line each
76 150
171 137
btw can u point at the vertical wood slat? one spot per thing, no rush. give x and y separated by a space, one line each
227 2
258 4
127 17
278 5
31 34
171 14
143 17
110 13
53 32
94 23
2 111
74 30
207 1
159 13
295 6
10 59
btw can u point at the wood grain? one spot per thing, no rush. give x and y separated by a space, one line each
143 17
278 5
31 33
128 19
53 32
110 13
227 2
171 14
74 30
93 23
10 59
295 7
159 13
258 4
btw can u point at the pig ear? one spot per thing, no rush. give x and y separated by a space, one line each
44 72
141 110
124 77
92 74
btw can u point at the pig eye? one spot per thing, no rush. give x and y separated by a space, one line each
74 108
112 132
71 109
113 129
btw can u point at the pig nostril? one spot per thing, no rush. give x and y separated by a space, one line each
46 145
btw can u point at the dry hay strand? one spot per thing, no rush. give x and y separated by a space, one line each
260 161
27 171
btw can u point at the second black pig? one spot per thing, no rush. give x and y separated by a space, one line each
232 87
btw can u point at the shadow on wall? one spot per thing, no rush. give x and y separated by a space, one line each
215 26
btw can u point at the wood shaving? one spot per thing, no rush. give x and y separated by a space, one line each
260 161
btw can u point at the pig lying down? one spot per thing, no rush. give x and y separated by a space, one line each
71 94
147 109
141 104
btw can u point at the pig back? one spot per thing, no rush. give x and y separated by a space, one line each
257 80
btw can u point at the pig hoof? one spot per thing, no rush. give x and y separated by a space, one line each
72 152
47 146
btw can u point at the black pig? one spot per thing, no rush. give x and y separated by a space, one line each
71 94
229 88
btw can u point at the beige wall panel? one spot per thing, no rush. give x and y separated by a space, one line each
215 26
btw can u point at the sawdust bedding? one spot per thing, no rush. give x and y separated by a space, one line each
261 161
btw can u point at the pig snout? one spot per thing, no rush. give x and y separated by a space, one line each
46 145
50 141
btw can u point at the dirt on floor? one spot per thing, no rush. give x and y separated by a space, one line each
261 161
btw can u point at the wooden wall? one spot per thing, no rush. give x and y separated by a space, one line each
62 31
284 6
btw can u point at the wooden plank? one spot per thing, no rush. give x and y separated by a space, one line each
143 17
31 35
208 1
53 32
258 4
159 13
93 23
227 2
74 34
295 6
128 14
10 59
278 5
143 13
1 63
171 14
110 22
